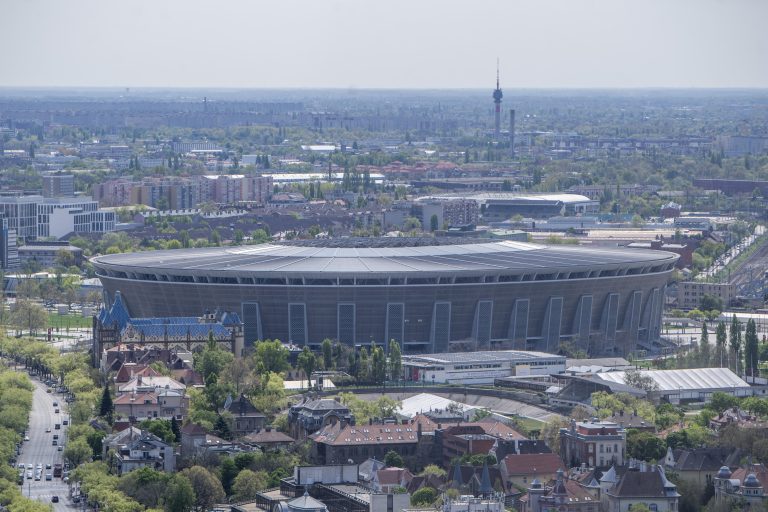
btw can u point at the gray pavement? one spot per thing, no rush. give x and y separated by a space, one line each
39 448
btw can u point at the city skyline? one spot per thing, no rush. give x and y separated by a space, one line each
427 45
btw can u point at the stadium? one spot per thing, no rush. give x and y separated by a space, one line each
431 295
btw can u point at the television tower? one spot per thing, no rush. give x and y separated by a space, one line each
497 95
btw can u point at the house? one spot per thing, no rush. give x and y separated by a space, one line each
736 416
390 480
269 439
308 417
367 469
700 466
151 383
595 443
645 484
472 438
480 481
246 417
165 404
338 442
631 420
214 446
563 495
521 470
192 436
143 450
745 484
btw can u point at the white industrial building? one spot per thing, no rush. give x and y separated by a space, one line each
689 385
479 367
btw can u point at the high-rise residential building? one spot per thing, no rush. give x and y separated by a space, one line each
176 193
59 185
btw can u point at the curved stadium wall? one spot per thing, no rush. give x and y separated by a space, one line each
431 296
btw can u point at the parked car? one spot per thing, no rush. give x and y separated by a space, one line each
54 499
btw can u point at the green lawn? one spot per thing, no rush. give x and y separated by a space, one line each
529 424
64 321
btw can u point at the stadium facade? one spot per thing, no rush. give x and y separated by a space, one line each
430 295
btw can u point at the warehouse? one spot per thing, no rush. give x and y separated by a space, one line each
691 385
479 367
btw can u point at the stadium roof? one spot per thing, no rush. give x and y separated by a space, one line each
374 256
693 378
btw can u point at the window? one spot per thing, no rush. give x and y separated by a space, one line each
653 507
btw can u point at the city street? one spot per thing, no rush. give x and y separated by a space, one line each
40 450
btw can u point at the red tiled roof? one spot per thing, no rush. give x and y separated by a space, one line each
532 464
393 476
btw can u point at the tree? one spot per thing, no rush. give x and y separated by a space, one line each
711 303
424 497
551 433
29 315
270 357
705 356
378 364
238 374
221 428
307 362
228 470
106 408
78 451
433 470
735 339
208 489
722 401
393 459
751 358
248 483
327 354
176 429
159 427
212 360
678 439
645 445
720 340
395 361
636 379
179 495
434 223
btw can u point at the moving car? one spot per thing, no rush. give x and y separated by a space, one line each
56 411
48 429
60 448
29 475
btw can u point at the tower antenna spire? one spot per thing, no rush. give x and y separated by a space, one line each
497 72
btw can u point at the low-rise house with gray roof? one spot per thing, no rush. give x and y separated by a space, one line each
306 418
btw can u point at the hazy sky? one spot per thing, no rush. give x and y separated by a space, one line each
384 43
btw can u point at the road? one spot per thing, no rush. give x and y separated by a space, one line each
40 449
